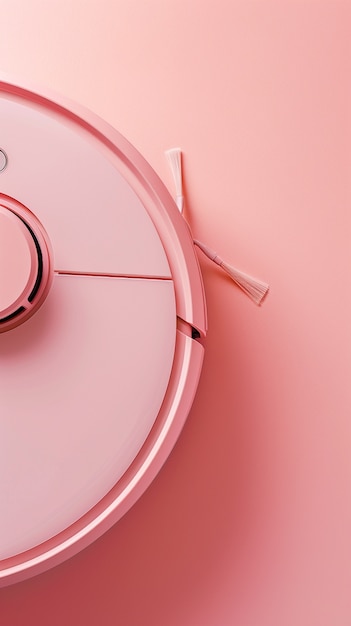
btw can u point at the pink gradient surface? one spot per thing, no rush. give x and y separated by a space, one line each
249 521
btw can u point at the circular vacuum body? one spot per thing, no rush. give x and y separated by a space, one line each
101 309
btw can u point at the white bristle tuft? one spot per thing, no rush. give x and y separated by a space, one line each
174 156
255 289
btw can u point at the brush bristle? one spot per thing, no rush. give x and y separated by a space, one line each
255 289
174 156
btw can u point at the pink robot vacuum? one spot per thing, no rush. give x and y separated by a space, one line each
102 312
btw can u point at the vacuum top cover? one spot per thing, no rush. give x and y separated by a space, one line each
101 308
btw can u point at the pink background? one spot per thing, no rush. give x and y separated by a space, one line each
249 521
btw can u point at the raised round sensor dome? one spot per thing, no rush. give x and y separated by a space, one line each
25 264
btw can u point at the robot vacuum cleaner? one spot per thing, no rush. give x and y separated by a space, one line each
102 312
